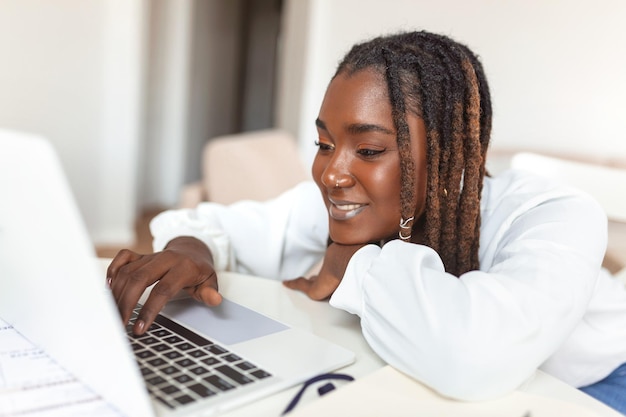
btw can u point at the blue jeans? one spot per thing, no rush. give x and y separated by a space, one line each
611 390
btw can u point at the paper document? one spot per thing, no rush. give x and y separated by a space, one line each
33 384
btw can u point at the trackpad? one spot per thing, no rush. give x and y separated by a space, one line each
228 323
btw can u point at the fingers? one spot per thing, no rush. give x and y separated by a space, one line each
122 258
169 271
299 284
132 279
184 263
206 290
160 294
315 288
207 294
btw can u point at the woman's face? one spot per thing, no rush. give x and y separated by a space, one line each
357 166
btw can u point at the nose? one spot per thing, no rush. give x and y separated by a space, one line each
337 181
337 173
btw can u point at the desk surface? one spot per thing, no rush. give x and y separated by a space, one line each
296 309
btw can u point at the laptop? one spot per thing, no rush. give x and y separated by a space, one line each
53 292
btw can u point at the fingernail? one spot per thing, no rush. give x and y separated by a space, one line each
109 280
139 325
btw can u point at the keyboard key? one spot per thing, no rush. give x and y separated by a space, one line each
233 374
211 361
169 370
144 354
231 357
170 389
173 355
184 346
184 399
184 378
157 362
161 347
199 370
161 333
216 350
245 366
219 383
185 363
182 331
149 340
198 353
155 380
172 339
260 373
201 390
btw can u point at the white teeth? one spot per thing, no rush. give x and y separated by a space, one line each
341 212
348 207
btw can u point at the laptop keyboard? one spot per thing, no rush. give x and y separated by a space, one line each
181 367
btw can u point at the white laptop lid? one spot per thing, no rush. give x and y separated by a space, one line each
47 278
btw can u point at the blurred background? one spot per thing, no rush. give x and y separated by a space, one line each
129 91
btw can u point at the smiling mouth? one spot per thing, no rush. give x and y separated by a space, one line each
344 211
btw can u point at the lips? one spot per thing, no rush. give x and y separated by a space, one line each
344 210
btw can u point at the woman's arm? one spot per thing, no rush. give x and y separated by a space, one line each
279 238
483 334
191 246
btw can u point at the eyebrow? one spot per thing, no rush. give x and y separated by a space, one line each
357 128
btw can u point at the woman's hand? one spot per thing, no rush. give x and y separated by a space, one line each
186 263
324 284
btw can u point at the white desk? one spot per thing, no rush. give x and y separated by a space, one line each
296 309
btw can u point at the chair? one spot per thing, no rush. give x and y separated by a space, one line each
605 183
254 165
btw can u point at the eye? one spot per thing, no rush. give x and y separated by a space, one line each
324 146
370 153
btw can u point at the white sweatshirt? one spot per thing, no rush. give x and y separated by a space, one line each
539 300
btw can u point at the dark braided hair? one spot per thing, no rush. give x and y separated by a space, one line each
442 82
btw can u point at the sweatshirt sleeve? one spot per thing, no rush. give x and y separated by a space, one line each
483 334
279 238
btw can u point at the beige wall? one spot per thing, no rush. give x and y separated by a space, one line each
70 70
556 68
76 72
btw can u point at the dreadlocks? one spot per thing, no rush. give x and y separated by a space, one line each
442 82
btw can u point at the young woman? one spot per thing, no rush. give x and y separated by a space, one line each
464 281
